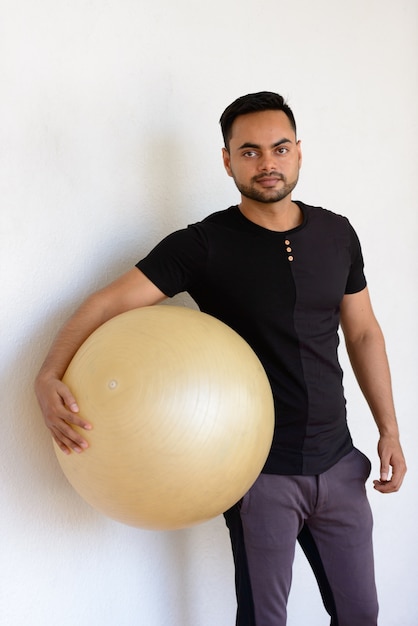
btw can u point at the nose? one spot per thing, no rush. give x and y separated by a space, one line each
267 162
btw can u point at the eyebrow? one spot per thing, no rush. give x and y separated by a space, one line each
248 144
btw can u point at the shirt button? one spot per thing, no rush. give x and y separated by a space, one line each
290 258
287 242
288 249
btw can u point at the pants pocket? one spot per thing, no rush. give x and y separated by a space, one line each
365 464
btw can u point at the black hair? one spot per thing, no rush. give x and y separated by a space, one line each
252 103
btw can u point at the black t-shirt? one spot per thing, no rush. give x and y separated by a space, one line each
281 291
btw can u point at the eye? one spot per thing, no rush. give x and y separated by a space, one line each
282 150
249 154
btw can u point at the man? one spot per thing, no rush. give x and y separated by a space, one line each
284 275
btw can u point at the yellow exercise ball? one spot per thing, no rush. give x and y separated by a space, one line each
182 416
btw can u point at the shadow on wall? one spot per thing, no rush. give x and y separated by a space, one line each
43 507
40 500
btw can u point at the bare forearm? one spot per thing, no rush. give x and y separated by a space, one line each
371 368
76 330
367 352
58 405
370 365
131 290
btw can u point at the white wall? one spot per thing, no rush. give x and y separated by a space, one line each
109 140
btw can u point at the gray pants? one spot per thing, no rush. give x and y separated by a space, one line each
332 513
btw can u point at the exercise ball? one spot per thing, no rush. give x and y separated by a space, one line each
182 415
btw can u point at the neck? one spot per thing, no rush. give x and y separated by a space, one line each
278 216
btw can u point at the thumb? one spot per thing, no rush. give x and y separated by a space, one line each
384 471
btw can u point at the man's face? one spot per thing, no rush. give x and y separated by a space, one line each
264 157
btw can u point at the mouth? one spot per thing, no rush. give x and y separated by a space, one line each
268 181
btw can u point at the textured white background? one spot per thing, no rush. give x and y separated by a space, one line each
109 140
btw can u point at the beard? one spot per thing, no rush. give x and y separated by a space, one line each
266 196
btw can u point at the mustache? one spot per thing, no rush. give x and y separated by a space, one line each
272 174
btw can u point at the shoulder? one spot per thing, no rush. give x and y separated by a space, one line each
196 236
326 221
227 217
217 225
319 213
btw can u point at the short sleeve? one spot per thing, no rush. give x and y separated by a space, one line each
175 263
356 279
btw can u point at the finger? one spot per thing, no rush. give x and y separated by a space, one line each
76 420
383 487
71 404
384 472
62 420
60 411
385 466
392 485
67 449
57 411
61 445
68 437
398 475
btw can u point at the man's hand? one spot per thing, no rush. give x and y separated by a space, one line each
391 456
60 411
59 407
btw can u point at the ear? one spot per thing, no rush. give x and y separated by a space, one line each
299 147
227 161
